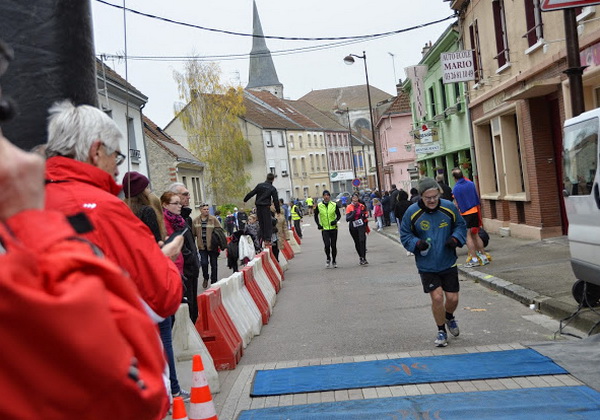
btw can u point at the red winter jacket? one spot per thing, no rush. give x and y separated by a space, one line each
73 187
77 342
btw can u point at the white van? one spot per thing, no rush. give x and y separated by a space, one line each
581 176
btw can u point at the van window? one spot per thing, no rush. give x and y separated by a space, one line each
580 157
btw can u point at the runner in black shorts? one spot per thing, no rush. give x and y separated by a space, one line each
447 280
432 228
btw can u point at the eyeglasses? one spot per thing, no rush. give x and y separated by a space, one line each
186 194
434 198
119 157
175 204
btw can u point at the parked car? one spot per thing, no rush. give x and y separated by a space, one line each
338 198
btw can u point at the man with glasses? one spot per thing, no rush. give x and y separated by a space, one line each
191 262
432 228
83 158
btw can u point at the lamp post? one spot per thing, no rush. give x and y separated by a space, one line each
347 112
349 60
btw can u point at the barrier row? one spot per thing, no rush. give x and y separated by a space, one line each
230 314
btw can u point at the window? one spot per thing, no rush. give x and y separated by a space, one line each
533 17
196 191
280 138
291 142
456 93
475 46
272 166
432 102
300 141
579 157
501 35
499 152
309 143
283 164
131 134
295 166
443 92
268 135
312 163
322 141
303 162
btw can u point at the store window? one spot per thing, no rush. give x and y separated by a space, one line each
499 158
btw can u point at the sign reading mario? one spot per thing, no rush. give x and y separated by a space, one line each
550 5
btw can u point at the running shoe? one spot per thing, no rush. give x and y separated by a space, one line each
183 394
473 263
328 264
442 339
453 327
334 264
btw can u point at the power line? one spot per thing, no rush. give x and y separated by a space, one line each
227 57
285 38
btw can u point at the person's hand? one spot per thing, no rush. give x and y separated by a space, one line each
319 227
422 245
333 222
452 242
173 248
21 180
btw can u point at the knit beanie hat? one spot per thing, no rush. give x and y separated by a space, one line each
134 183
427 184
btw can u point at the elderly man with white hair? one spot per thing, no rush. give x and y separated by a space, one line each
83 158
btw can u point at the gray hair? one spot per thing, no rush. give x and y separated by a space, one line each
72 130
175 185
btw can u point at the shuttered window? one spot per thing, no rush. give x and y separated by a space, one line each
500 31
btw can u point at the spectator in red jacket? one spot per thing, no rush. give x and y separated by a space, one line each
83 157
72 323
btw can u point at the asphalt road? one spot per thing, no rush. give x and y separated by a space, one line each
378 308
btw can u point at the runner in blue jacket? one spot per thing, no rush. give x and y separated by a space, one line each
432 228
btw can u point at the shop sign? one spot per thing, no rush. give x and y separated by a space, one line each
458 66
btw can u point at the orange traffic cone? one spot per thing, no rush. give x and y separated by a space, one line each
179 409
201 403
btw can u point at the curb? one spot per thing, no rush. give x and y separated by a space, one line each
585 321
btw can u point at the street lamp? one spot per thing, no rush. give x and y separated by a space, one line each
349 60
347 112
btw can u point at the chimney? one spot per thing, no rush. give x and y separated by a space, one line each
426 48
399 89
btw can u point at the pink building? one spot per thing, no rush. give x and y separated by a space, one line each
397 146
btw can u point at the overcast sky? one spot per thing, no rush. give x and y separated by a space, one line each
298 72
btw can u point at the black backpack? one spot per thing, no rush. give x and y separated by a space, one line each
218 239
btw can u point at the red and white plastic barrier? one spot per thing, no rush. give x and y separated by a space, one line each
256 294
217 330
263 281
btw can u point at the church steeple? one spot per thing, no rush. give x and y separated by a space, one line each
262 74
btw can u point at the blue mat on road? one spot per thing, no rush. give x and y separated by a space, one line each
560 403
412 370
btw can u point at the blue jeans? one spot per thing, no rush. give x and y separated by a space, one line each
392 217
205 256
166 337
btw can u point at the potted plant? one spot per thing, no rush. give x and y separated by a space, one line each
465 163
422 168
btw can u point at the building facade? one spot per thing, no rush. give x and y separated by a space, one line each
397 151
170 162
441 133
518 102
124 103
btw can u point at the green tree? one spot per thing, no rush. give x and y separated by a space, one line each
210 116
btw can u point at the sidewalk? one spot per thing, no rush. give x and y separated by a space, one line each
532 272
